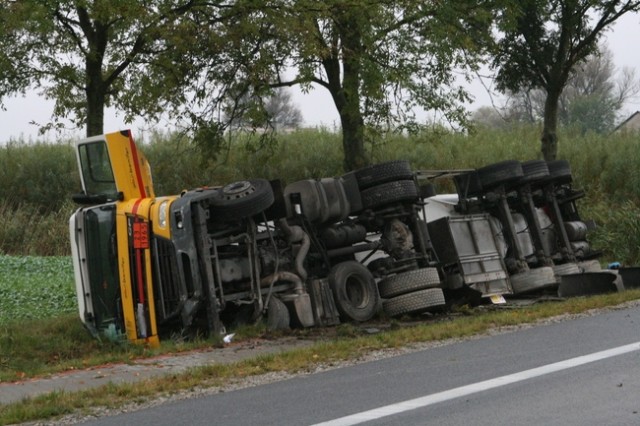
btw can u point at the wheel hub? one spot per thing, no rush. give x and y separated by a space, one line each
237 190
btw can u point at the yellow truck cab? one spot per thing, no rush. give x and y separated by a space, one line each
111 239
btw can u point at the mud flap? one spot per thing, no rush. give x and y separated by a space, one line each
142 321
322 303
587 284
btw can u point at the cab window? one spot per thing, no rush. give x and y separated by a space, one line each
97 174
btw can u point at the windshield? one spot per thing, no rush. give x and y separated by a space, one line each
97 174
101 259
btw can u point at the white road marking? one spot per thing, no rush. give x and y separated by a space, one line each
435 398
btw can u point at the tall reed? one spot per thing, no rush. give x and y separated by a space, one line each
37 180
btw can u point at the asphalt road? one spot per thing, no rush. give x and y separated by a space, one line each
508 379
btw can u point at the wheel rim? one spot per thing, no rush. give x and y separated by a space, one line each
356 293
237 189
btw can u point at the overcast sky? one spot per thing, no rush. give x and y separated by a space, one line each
317 107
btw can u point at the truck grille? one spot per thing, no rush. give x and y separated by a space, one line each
167 280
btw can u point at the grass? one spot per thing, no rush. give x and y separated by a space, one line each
40 331
346 343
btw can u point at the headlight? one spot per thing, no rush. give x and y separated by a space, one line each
162 214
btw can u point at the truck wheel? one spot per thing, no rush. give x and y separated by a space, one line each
590 266
500 173
534 171
566 269
242 199
388 193
533 280
354 290
377 174
559 171
278 317
413 303
407 282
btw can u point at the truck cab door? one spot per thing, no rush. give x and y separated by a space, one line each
112 169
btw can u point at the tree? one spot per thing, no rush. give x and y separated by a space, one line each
542 43
87 55
275 111
378 59
282 112
591 99
490 117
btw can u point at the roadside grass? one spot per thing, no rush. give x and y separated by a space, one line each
337 344
40 332
33 348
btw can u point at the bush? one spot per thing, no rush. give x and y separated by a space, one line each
37 180
29 229
41 175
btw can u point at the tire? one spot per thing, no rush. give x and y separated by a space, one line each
534 171
413 303
559 171
242 199
502 173
566 269
388 193
533 280
354 290
408 282
278 317
377 174
590 266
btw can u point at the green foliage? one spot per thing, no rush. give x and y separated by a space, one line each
541 44
379 60
590 101
32 229
603 165
41 174
87 56
35 287
618 234
36 183
592 113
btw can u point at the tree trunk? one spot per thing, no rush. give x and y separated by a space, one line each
549 139
353 140
95 111
96 88
350 115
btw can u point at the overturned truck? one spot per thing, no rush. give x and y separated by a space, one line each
208 258
313 252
